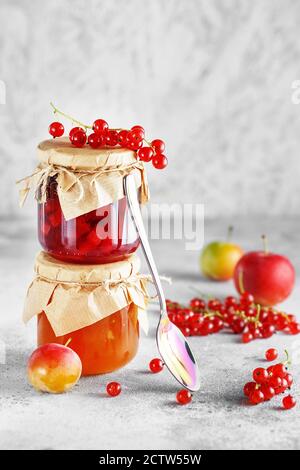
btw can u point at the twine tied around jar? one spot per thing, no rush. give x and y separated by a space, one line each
71 305
81 191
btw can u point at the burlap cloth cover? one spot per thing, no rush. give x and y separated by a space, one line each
74 296
87 178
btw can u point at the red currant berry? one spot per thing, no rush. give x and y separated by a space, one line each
123 137
279 370
206 328
230 301
256 397
184 397
282 388
111 138
275 381
238 325
113 389
156 365
249 388
218 324
158 145
267 330
159 161
137 133
268 391
247 337
74 130
56 129
289 379
197 304
133 144
100 126
246 298
186 331
79 139
95 140
214 304
288 402
145 154
294 328
271 354
260 375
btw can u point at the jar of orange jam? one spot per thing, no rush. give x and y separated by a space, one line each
96 307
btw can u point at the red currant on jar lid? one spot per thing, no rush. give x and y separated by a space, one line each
156 365
158 145
145 154
95 140
113 389
78 138
159 161
74 130
100 126
56 129
184 397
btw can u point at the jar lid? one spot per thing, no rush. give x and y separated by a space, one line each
60 151
60 271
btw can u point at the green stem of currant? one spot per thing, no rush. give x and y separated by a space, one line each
70 118
288 361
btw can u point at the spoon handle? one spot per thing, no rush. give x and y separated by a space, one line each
132 197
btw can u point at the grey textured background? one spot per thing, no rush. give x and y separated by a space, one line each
211 77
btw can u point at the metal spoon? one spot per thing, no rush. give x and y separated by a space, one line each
171 343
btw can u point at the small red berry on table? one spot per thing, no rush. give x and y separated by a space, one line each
256 397
288 402
268 391
184 397
113 389
56 129
271 354
156 365
279 370
249 388
260 375
247 337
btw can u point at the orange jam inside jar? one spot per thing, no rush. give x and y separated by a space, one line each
95 306
102 347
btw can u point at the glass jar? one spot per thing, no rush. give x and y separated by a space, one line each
95 306
104 235
102 347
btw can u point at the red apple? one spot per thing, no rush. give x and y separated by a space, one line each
53 368
269 277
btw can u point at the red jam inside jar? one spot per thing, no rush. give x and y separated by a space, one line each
101 236
103 347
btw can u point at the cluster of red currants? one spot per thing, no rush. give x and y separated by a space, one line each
103 136
240 315
270 382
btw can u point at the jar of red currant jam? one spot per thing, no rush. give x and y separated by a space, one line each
96 307
83 216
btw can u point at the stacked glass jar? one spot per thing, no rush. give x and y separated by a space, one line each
84 227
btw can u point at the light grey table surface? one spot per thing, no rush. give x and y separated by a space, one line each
145 415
